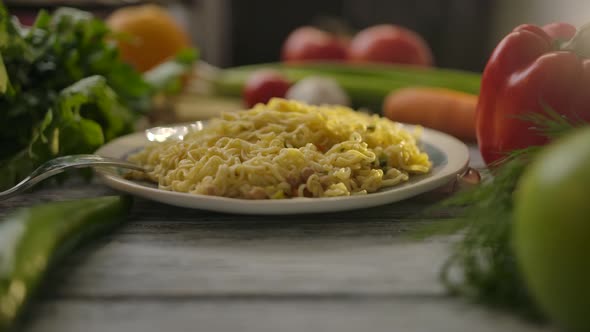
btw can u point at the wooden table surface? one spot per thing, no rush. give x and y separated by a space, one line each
174 269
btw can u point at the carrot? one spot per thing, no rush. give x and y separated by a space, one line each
449 111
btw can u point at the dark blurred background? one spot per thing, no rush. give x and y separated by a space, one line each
461 33
456 30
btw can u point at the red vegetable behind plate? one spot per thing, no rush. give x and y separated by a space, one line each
263 85
528 72
309 43
389 44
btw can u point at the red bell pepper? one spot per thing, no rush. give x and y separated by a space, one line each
531 69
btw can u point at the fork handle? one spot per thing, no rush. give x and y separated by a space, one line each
61 164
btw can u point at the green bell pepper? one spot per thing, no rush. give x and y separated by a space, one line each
32 239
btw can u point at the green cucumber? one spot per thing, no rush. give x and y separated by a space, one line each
366 84
32 239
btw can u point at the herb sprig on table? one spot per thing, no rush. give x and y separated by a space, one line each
64 89
483 265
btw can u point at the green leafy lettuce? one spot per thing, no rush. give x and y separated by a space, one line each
65 90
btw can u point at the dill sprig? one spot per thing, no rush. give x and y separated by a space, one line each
483 265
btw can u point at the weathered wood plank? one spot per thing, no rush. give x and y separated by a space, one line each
191 261
412 314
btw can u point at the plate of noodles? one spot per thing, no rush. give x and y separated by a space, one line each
285 157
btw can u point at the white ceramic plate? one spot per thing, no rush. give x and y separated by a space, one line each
449 157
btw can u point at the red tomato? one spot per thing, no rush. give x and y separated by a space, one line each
263 85
308 43
390 44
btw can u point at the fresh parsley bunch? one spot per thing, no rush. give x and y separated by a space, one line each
64 89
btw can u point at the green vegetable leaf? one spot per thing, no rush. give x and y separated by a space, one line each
3 77
70 14
93 99
84 116
42 65
167 77
483 264
64 88
550 123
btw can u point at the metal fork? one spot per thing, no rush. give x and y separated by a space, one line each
60 164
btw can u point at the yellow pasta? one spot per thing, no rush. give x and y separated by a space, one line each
286 149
